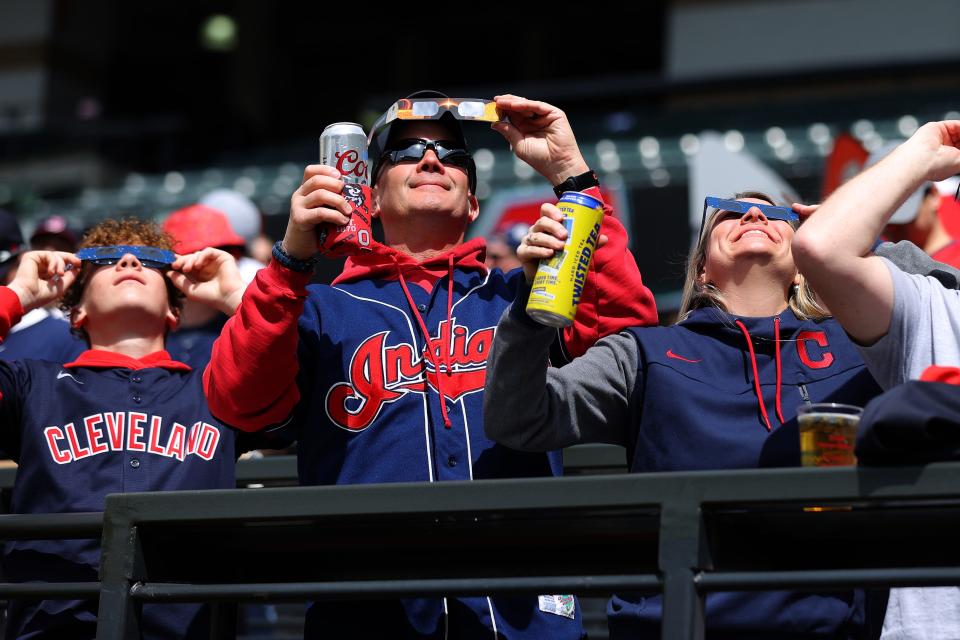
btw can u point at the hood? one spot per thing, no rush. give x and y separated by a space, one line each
382 263
764 334
722 325
99 359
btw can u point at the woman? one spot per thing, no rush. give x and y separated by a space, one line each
717 390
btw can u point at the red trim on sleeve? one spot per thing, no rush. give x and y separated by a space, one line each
250 382
614 296
11 311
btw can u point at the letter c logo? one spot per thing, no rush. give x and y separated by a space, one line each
826 358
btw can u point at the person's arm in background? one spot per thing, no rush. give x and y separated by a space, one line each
250 382
614 296
832 247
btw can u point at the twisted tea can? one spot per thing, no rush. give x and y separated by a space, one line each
558 285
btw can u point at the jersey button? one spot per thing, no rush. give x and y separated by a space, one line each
135 463
451 461
421 307
136 379
136 399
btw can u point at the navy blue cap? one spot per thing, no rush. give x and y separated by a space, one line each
11 237
394 130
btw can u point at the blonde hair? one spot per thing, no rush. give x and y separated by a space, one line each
696 295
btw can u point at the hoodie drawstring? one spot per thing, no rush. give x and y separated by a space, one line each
430 355
776 338
756 373
446 351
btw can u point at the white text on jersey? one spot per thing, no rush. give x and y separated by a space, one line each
130 431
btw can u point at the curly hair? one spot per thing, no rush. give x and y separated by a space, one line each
128 231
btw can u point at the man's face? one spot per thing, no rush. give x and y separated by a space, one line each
426 187
125 292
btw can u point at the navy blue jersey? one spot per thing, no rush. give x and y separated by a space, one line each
105 423
192 345
41 335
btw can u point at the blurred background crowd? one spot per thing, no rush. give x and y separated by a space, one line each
111 108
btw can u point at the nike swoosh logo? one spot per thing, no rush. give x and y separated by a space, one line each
671 354
64 374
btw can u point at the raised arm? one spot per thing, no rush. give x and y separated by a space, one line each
532 407
832 247
250 382
614 295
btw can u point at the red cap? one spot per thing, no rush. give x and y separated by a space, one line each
197 227
949 213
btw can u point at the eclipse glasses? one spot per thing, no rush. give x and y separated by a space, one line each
770 211
150 257
434 108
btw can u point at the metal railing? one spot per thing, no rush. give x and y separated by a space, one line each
683 534
680 533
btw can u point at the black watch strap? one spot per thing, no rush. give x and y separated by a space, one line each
284 259
581 182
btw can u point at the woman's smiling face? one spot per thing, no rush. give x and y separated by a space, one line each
750 236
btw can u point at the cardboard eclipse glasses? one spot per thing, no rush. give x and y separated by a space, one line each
434 108
151 257
771 212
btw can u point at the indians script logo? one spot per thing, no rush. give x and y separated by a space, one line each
350 164
381 373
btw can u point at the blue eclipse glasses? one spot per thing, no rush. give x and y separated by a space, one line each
150 257
770 211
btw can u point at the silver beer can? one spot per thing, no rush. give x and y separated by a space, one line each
344 145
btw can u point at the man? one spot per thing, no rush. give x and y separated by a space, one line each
42 333
917 219
502 246
905 323
122 416
53 233
383 374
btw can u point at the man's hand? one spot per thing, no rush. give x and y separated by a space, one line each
317 201
44 276
541 136
547 236
209 276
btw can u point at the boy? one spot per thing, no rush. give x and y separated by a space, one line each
123 416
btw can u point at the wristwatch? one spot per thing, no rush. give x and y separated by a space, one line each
581 182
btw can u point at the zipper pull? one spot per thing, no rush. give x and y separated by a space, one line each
804 394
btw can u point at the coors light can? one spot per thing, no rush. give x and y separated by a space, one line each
344 145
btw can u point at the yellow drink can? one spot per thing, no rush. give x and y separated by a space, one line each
558 285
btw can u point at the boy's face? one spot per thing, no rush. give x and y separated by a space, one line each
123 293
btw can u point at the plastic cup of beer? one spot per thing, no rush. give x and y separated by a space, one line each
828 434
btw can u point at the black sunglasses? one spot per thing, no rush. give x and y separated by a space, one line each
415 148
